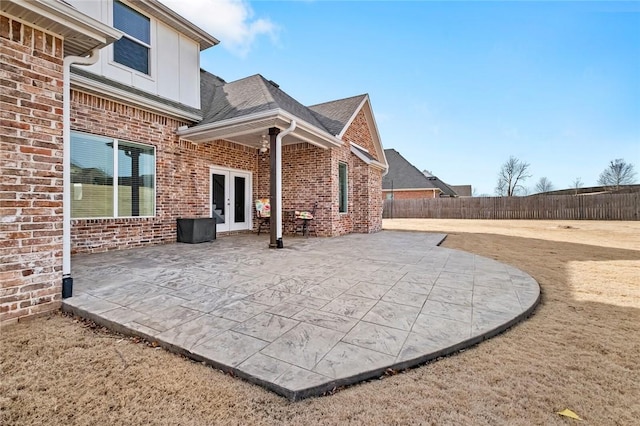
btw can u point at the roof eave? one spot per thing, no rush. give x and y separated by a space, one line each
91 86
242 125
375 134
178 22
81 33
373 163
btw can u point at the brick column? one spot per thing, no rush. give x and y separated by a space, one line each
30 169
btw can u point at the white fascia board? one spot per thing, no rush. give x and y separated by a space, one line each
276 114
310 128
359 154
376 136
178 22
80 82
200 129
384 162
359 147
375 133
367 160
69 17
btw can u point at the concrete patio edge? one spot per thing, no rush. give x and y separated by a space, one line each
328 386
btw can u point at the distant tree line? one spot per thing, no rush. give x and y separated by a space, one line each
514 173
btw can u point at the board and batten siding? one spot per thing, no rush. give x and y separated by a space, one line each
174 59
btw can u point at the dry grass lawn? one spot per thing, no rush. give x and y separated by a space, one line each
580 350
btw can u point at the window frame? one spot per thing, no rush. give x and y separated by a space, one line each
116 178
133 39
343 193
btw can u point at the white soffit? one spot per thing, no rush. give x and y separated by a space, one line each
81 33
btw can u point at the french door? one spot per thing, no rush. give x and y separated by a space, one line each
231 199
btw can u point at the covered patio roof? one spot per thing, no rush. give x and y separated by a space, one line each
243 111
252 129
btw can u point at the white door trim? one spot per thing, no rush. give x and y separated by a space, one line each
230 173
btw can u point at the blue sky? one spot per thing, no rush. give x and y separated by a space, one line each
458 87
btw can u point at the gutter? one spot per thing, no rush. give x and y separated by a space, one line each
278 153
67 281
276 114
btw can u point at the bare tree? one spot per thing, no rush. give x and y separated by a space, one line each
511 176
544 185
619 172
577 184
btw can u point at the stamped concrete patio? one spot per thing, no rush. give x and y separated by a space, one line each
318 314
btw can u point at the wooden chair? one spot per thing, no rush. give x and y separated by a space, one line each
306 218
263 213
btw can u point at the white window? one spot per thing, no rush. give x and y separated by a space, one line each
111 177
132 50
343 187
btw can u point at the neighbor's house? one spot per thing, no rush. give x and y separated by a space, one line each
139 136
404 181
446 190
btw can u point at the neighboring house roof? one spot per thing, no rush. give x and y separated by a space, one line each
446 189
336 115
404 175
463 190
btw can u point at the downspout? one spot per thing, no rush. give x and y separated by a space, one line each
67 281
278 153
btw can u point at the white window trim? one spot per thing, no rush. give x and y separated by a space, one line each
116 142
152 39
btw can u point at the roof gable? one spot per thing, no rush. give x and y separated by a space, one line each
248 96
404 175
337 115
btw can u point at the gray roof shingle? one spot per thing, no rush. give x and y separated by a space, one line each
250 95
446 189
335 115
402 174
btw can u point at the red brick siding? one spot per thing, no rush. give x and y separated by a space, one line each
360 132
309 174
182 173
305 180
399 194
31 169
365 182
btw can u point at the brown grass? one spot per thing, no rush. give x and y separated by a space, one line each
580 350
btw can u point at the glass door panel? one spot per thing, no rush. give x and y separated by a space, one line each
219 199
231 199
239 200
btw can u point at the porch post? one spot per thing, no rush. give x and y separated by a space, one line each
273 181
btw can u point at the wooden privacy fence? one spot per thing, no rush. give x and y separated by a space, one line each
561 207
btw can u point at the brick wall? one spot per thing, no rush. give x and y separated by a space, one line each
365 182
31 169
360 133
182 173
309 174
